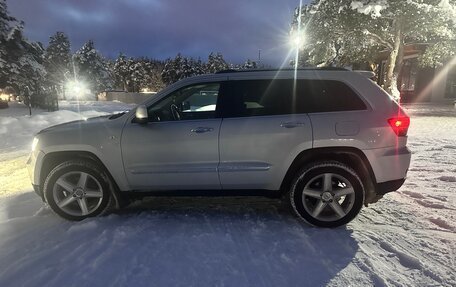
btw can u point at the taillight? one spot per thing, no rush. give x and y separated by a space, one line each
400 125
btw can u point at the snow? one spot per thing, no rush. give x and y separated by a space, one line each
372 8
17 122
448 8
408 238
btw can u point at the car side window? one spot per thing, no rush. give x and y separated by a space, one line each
189 103
260 98
319 96
249 98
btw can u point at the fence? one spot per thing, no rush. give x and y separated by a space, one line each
125 97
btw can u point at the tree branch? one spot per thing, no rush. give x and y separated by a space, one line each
379 39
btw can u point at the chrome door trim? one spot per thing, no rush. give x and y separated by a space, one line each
243 166
173 169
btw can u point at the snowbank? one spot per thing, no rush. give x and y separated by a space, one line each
17 128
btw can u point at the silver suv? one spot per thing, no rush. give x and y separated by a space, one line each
329 140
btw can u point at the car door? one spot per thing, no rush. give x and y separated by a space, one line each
178 148
261 133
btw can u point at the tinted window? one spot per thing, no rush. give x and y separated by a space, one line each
327 96
280 97
259 98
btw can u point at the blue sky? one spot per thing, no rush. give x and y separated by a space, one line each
160 29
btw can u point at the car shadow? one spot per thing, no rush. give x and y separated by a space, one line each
175 241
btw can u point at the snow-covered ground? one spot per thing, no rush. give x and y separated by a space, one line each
406 239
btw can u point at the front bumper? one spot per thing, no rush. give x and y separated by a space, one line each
37 190
34 164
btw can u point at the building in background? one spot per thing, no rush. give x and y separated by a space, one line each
422 84
125 97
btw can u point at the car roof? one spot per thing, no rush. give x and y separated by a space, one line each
282 69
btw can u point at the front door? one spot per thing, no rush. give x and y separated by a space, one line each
178 148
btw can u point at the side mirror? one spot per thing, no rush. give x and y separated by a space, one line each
142 116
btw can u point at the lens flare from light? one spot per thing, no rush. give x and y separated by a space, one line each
76 88
298 38
437 80
296 41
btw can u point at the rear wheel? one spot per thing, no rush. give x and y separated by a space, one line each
78 189
327 194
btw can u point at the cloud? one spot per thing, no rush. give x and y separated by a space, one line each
161 29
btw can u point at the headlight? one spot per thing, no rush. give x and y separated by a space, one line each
34 143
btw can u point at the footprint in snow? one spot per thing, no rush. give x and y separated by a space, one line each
83 226
441 223
413 194
447 178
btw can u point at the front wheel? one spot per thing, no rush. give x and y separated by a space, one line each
77 189
327 194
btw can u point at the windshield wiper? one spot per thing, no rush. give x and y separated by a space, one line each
118 115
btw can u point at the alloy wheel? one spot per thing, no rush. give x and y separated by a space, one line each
77 193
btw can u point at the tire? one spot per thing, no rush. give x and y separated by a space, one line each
78 189
327 194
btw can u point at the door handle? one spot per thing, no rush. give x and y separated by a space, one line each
290 125
200 130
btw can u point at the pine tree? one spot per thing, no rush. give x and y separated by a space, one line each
249 64
151 80
121 72
343 32
5 26
215 63
5 18
193 67
92 68
23 69
180 68
21 61
58 60
136 74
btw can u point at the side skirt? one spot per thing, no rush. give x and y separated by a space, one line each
136 194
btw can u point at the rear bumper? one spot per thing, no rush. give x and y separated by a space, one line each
389 164
388 186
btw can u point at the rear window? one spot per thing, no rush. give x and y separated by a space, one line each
281 97
317 96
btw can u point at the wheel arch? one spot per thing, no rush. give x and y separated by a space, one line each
350 156
52 159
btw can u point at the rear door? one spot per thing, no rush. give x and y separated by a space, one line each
261 133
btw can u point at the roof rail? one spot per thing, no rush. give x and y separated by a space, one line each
367 74
226 71
285 69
